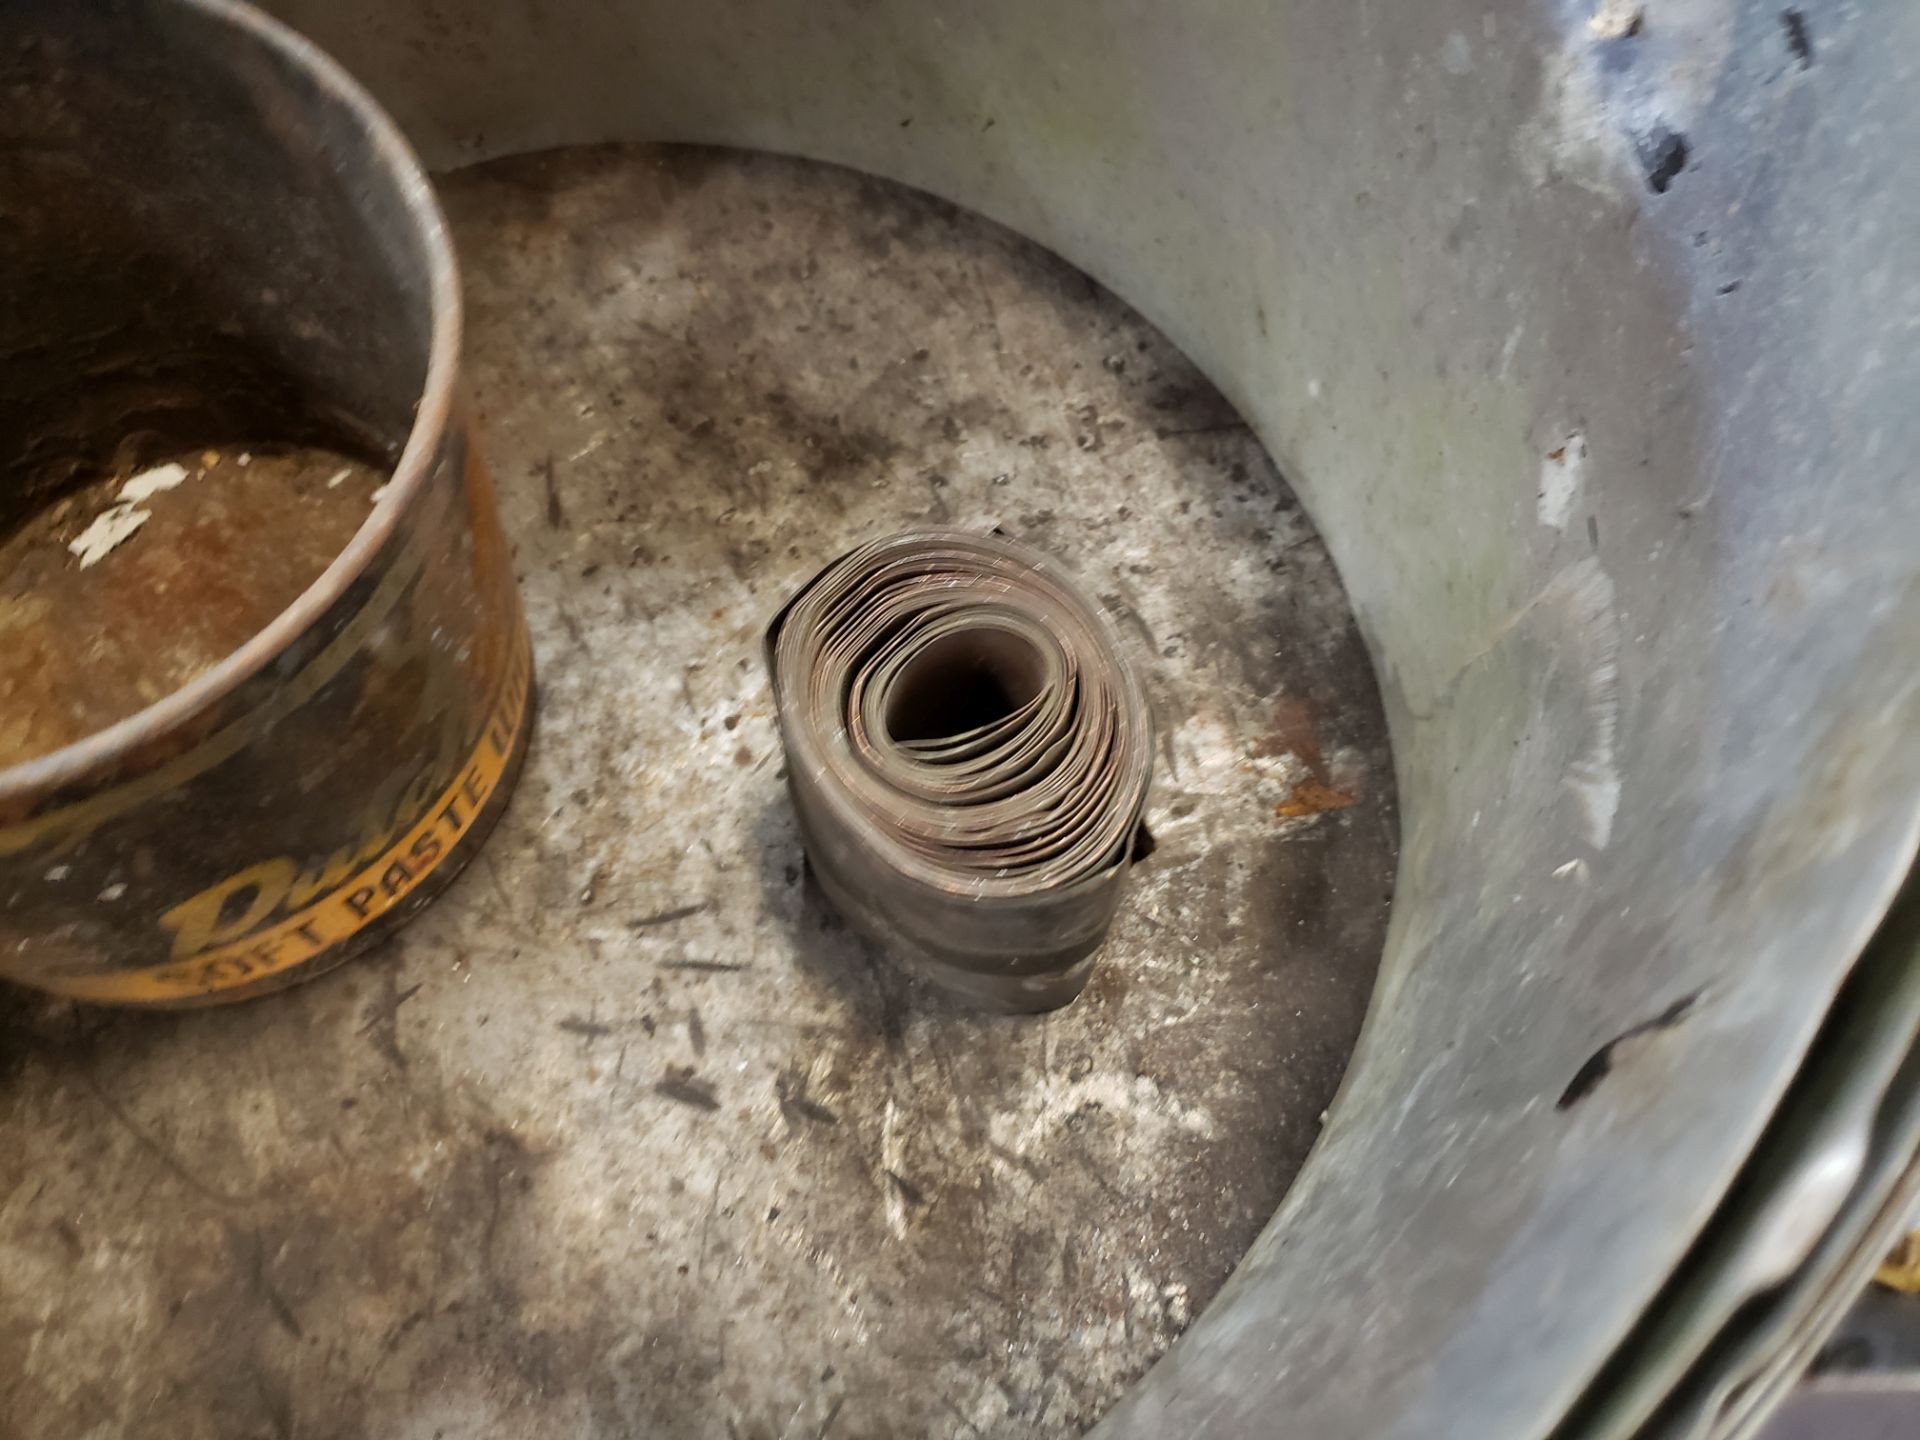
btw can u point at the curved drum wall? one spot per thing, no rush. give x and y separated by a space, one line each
1591 355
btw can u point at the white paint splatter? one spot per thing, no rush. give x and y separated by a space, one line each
1215 761
1616 19
149 483
1138 1104
116 524
1179 1304
1583 595
1510 348
1561 471
1572 135
111 529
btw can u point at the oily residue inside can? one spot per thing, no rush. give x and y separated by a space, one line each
122 591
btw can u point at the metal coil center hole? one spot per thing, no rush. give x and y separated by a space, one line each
962 682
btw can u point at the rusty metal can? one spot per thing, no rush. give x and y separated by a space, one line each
212 234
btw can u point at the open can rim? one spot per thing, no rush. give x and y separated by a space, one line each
396 157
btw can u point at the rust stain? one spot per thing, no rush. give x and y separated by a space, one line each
1294 734
1311 797
1901 1269
217 558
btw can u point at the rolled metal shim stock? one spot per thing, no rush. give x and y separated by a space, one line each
968 753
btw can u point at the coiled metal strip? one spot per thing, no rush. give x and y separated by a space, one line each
969 754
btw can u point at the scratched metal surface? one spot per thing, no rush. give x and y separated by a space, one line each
628 1136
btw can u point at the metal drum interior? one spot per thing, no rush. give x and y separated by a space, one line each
1581 342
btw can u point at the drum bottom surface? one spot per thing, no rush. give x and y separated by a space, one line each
628 1135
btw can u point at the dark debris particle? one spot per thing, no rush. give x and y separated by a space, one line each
592 1029
388 1011
667 917
556 512
1663 155
1799 40
680 1086
1599 1065
1728 288
909 1191
795 1103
